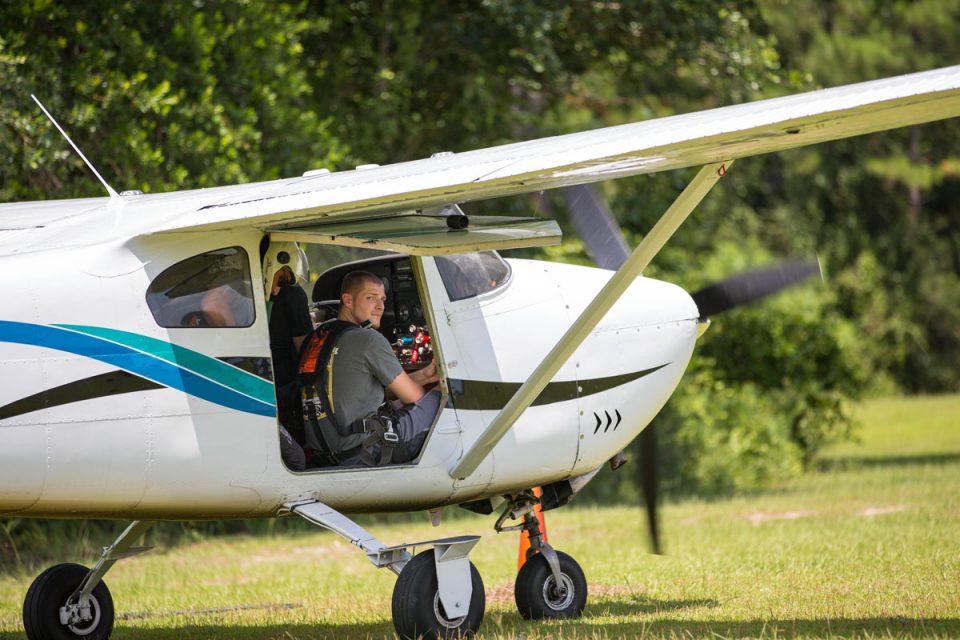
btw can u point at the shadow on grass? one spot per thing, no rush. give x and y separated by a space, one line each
637 604
848 464
633 616
592 625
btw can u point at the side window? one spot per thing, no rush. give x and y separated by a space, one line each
466 275
212 289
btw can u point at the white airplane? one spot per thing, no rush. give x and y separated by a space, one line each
114 406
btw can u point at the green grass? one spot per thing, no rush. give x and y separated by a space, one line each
867 547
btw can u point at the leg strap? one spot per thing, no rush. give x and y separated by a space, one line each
381 435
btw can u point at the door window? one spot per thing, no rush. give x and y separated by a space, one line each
212 289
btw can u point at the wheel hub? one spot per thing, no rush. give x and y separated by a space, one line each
558 597
441 614
81 620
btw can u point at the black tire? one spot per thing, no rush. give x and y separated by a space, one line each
49 592
536 590
417 610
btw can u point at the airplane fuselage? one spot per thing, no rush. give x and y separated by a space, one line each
106 413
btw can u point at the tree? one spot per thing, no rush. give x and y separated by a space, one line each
884 207
161 96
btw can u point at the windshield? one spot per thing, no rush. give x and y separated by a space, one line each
466 275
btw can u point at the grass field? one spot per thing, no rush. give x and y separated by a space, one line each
866 547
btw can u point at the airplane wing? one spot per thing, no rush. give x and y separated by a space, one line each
667 143
307 204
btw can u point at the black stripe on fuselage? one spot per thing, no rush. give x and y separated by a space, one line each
464 394
493 396
110 384
105 384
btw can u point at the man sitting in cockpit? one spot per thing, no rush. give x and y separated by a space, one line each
364 366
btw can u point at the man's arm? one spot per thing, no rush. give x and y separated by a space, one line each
299 314
215 307
427 375
298 342
407 387
404 389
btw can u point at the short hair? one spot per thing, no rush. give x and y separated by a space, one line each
354 281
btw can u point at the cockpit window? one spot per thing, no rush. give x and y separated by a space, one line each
466 275
212 289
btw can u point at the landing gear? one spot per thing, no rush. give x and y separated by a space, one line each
540 595
417 609
68 601
550 584
439 593
52 610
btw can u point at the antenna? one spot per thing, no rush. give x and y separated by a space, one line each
113 194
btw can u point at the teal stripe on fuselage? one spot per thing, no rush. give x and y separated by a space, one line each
203 365
146 365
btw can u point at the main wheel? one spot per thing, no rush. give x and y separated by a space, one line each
417 610
49 592
539 596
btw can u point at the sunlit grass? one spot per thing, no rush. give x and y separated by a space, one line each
868 547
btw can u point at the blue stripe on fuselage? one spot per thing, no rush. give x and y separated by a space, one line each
166 373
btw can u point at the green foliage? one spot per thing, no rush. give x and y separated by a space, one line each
160 96
718 438
883 209
402 80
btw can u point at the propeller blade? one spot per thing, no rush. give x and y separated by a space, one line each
650 481
753 285
596 226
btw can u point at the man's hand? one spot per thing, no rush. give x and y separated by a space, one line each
426 376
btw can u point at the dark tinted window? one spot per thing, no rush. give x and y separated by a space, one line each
212 289
466 275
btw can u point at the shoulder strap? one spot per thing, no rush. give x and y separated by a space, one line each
325 368
312 378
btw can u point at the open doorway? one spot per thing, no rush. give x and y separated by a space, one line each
405 327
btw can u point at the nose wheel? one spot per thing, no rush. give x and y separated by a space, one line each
539 594
550 584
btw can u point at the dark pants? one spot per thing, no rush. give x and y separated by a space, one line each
291 427
413 423
291 451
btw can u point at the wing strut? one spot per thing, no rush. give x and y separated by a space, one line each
685 203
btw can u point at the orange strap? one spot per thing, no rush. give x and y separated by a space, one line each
525 537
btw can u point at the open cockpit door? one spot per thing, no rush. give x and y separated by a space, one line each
429 235
406 323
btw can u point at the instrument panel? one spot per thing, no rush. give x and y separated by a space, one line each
407 330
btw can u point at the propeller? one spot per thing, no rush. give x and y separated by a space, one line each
601 234
751 286
596 225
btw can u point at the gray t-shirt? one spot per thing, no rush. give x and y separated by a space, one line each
363 365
